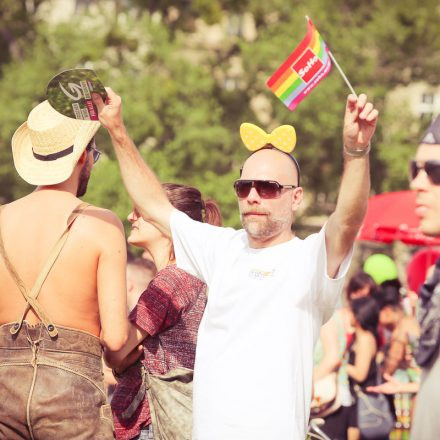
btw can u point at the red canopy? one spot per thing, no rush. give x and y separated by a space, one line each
391 216
418 266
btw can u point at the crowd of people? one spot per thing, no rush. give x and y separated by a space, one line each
378 342
253 302
367 342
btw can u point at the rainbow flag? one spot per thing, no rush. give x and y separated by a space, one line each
306 66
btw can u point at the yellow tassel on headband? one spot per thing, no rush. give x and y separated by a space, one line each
254 138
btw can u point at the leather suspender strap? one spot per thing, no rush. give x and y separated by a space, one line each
56 250
31 299
16 327
10 267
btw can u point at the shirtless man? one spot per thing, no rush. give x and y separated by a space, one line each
62 287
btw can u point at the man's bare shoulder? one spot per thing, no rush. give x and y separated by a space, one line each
102 215
93 225
101 229
100 219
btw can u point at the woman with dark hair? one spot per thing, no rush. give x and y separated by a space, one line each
361 368
165 320
361 284
365 315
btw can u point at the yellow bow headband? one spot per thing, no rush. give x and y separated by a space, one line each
254 138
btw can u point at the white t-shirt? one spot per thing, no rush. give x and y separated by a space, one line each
254 359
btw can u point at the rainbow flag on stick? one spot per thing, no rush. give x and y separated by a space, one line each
306 66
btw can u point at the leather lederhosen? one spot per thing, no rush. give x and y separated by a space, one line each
51 380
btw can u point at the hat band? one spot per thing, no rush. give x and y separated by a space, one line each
53 156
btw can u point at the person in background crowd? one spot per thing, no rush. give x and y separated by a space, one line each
335 337
404 329
362 368
329 357
398 360
394 386
360 285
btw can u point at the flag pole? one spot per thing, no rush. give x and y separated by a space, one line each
342 73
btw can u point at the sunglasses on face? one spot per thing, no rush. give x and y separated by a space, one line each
431 168
96 153
266 189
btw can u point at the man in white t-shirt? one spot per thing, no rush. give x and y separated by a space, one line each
269 291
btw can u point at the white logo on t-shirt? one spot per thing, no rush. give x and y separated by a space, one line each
259 274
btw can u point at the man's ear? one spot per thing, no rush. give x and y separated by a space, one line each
297 198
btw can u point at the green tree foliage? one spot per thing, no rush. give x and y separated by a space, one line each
176 107
169 107
17 27
379 45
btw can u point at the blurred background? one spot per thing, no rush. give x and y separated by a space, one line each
190 72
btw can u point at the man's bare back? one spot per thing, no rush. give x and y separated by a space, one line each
89 271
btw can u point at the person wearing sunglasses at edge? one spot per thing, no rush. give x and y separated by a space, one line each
269 292
425 181
62 287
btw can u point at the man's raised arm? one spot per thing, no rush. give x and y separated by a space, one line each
142 184
344 224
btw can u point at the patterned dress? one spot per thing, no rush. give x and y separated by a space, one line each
170 311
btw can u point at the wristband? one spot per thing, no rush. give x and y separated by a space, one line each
357 153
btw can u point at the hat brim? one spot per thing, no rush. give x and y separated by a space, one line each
38 172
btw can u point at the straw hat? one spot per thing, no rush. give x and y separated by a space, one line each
46 147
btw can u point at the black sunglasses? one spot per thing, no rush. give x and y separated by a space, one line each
96 153
431 167
266 189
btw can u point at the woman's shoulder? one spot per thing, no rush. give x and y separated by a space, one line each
172 277
365 338
175 286
173 272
